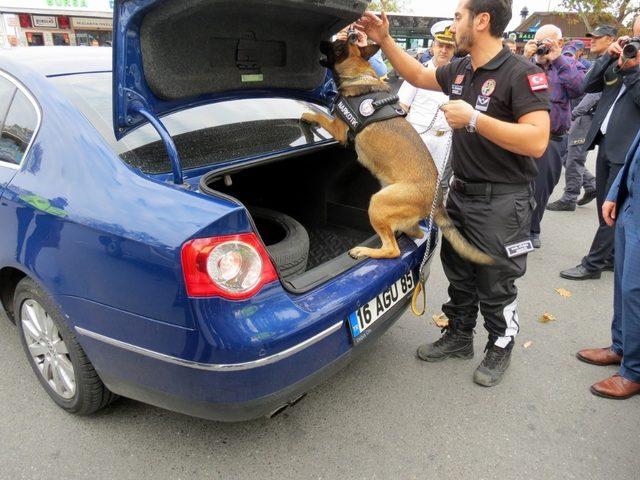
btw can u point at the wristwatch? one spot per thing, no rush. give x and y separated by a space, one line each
471 126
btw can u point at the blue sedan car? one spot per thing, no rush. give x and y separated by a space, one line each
171 232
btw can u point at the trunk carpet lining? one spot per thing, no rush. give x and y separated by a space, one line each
326 242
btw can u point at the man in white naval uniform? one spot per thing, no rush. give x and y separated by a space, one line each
423 104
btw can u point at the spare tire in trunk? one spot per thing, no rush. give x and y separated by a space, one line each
286 240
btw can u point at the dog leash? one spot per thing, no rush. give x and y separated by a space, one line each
420 288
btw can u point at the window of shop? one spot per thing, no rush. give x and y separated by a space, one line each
93 38
60 39
35 39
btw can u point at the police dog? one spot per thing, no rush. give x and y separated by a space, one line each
394 152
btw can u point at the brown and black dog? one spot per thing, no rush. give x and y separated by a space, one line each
394 152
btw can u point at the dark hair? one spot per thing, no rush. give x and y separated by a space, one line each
499 13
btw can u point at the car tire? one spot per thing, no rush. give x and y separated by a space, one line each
287 241
54 353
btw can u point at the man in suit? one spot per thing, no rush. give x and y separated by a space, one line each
623 205
614 125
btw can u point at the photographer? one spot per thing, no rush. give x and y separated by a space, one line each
576 174
565 76
615 123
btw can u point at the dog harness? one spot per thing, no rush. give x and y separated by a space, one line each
362 110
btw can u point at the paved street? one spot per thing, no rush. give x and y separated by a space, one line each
388 415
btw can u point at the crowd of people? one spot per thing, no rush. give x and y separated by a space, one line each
500 127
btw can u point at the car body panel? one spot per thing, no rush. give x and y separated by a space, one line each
91 233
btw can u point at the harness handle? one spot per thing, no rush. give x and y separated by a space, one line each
385 101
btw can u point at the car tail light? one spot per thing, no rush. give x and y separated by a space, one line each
233 266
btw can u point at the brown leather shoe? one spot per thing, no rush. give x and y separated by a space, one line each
616 387
599 356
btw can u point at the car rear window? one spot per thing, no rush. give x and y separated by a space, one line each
203 135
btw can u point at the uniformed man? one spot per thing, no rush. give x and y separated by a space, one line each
499 110
424 105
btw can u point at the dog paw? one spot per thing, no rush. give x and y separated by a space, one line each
308 118
357 253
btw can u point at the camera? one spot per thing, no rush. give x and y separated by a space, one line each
352 35
631 47
542 49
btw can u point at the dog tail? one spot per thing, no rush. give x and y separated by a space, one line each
457 241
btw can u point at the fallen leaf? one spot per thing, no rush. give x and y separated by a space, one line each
546 318
564 293
441 320
527 344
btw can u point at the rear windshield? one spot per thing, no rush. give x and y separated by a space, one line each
203 135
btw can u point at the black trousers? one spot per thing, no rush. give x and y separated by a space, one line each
549 171
489 224
601 252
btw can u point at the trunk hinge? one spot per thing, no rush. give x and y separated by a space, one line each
138 107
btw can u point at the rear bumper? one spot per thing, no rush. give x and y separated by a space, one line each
259 407
173 368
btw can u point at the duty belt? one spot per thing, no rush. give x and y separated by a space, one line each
362 110
487 189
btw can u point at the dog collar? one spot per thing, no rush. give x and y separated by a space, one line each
363 79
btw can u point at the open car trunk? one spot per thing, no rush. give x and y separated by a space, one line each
327 191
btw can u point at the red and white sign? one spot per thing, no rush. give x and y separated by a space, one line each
538 81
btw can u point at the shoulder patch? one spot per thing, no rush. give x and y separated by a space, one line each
538 82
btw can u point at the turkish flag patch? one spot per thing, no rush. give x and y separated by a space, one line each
538 81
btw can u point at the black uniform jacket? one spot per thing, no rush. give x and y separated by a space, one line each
625 117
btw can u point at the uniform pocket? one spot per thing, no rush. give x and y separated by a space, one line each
524 207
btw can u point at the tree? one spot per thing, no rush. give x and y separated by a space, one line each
593 11
388 6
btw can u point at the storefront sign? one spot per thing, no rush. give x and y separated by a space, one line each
524 36
105 6
88 4
83 23
44 22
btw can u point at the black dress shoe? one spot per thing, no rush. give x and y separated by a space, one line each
560 206
588 196
580 273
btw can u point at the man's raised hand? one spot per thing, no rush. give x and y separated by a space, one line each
377 29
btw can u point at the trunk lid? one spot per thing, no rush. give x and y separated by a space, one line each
174 55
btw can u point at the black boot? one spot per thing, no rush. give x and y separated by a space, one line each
453 343
561 206
495 363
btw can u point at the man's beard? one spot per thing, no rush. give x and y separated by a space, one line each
465 41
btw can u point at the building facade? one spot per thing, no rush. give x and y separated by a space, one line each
55 22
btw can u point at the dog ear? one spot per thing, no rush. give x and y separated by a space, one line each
369 51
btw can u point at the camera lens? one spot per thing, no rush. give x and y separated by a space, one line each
542 50
630 50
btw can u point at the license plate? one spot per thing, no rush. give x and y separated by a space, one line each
365 316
